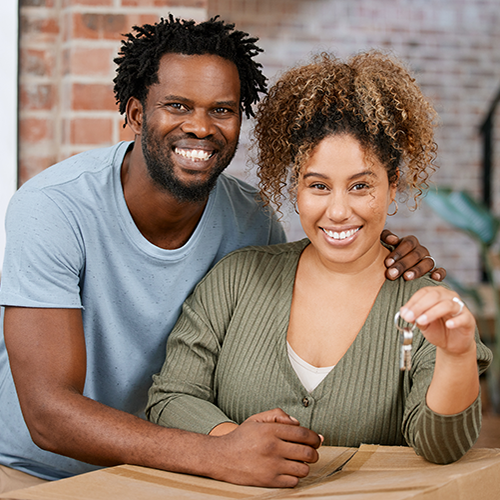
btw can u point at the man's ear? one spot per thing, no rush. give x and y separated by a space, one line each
134 112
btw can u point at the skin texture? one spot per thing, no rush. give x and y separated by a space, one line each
195 106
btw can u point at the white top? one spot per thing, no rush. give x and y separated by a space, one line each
310 376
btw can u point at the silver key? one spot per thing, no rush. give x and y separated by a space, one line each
406 340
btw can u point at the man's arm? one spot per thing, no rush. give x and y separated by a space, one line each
409 259
48 360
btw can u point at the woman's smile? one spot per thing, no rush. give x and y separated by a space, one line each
343 200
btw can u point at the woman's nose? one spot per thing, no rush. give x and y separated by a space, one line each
338 207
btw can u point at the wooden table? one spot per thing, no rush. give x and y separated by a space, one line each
368 473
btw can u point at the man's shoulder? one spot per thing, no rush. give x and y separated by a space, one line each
238 190
73 168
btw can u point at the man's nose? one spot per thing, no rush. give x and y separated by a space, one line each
200 124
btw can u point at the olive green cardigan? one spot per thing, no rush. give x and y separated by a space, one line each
227 359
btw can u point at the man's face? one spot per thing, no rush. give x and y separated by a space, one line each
191 123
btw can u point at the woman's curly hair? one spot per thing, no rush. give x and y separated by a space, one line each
371 97
141 52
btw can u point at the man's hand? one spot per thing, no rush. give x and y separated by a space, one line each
409 258
263 452
48 359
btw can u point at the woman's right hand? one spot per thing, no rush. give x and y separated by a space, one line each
277 416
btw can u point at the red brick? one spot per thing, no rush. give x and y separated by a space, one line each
95 131
34 129
97 26
90 61
47 28
31 165
98 3
92 97
36 62
125 134
36 3
165 3
36 96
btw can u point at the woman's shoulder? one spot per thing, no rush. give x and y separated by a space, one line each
264 253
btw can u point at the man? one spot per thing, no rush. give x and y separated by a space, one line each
102 250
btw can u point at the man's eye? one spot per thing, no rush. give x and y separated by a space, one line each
223 111
177 106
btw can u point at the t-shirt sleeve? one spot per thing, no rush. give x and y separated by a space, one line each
44 254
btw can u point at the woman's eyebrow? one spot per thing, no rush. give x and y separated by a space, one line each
354 176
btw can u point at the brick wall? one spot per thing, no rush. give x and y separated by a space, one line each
453 46
66 59
67 47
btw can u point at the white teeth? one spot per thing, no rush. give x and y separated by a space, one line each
194 154
341 236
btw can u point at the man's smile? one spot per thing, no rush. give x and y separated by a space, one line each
194 154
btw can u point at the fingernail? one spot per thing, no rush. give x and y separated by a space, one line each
407 315
322 438
389 262
293 419
422 320
409 275
393 273
450 323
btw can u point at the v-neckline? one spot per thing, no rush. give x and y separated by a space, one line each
287 289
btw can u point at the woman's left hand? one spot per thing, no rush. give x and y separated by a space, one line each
443 319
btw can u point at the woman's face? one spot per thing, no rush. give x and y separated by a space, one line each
343 201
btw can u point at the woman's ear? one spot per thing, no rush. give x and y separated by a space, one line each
134 112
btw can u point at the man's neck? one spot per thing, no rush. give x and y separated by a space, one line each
162 219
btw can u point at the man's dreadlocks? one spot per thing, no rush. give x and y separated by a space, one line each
140 54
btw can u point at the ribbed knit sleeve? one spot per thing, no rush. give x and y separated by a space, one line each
227 360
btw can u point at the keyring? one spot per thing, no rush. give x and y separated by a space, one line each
433 261
401 329
405 344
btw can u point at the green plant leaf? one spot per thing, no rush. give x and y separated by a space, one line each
460 210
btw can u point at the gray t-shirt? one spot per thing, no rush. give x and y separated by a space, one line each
72 243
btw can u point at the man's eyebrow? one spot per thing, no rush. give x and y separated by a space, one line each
178 98
227 103
172 97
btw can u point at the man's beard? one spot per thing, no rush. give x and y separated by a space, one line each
158 157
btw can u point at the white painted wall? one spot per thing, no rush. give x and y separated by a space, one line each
8 124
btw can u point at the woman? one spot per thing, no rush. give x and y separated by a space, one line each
308 327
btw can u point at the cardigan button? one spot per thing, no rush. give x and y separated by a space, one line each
305 402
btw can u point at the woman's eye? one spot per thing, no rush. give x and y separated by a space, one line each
318 185
359 186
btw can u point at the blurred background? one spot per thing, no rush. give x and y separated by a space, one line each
66 103
57 57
